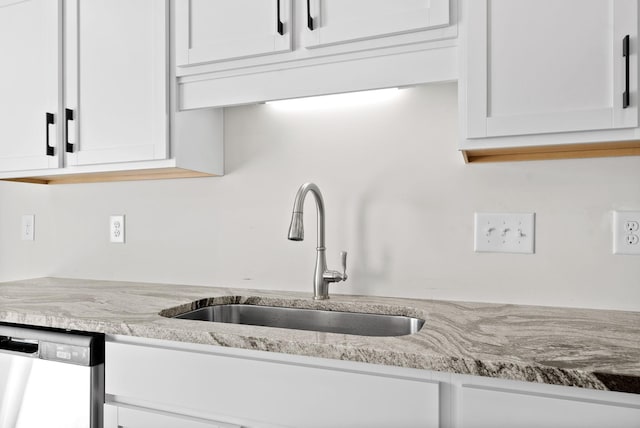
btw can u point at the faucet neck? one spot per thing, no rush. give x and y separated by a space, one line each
298 206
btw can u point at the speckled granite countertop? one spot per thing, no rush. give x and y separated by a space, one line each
577 347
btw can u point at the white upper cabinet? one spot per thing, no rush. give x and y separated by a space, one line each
115 81
232 52
116 117
213 31
209 31
332 22
29 84
548 66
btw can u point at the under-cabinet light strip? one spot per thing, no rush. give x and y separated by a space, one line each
349 99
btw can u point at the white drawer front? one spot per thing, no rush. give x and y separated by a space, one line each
489 408
130 417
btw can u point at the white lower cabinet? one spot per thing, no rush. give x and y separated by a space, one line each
488 408
156 383
262 392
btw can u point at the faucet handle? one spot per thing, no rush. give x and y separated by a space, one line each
343 259
334 275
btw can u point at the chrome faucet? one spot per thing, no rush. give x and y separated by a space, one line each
322 277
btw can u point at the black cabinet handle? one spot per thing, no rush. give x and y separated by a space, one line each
309 18
625 54
68 115
279 25
50 121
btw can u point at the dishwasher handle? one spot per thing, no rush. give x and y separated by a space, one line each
14 344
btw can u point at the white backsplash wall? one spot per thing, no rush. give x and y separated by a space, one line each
22 259
398 198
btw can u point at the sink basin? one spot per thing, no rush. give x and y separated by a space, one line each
308 319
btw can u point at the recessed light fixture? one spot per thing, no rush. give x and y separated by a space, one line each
349 99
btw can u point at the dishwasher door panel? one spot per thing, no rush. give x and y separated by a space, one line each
37 393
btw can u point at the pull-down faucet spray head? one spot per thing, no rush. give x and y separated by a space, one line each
296 229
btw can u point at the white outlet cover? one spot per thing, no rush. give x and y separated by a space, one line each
504 233
116 229
626 232
27 230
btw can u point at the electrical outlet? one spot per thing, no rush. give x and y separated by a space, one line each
631 226
626 232
116 229
27 230
504 233
631 239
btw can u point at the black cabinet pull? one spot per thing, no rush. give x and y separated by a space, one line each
309 18
625 54
68 115
279 25
50 121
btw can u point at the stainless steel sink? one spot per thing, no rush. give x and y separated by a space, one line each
308 319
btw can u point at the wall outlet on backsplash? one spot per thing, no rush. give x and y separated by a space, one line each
116 229
27 228
626 232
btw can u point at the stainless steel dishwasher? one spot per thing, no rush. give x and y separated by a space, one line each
50 378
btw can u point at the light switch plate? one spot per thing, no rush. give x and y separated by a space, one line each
626 232
504 233
116 229
27 230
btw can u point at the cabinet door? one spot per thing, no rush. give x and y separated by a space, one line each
116 80
489 408
29 83
209 31
543 66
130 417
338 21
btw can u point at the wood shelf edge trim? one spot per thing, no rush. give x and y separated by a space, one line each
100 177
568 151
